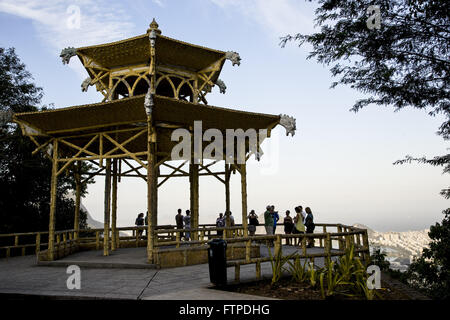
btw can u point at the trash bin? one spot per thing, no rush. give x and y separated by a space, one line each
217 261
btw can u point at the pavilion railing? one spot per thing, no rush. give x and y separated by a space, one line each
334 238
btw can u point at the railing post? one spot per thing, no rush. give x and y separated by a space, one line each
248 247
366 254
97 240
38 243
237 272
65 241
258 270
340 241
328 249
278 249
348 243
16 241
304 245
178 239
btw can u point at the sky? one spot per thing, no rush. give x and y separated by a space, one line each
339 163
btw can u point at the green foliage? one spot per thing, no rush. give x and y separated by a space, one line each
405 63
298 270
347 276
277 262
25 178
430 273
378 258
313 275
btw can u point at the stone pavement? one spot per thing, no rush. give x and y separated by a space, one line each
21 276
123 275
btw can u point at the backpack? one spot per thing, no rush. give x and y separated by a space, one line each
220 223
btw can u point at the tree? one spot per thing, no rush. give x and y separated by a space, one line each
402 62
431 271
25 178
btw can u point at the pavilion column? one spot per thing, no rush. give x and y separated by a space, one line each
227 197
194 194
53 188
114 207
151 194
76 220
155 195
243 169
151 146
107 208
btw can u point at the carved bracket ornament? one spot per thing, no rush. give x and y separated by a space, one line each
288 123
67 53
148 103
221 85
85 84
233 57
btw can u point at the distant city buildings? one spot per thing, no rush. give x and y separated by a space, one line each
400 247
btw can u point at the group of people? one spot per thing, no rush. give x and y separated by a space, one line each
303 222
183 222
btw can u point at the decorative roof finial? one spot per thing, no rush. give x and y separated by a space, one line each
154 26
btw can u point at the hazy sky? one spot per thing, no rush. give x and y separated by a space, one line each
339 163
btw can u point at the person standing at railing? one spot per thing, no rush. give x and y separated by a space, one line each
268 221
139 223
220 223
179 221
310 226
276 217
187 224
288 225
298 221
252 222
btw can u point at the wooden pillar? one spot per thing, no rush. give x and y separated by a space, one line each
114 207
76 220
151 193
155 190
244 197
227 198
107 208
53 188
194 188
366 254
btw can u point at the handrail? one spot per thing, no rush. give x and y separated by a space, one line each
168 235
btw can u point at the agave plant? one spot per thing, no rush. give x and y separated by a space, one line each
277 262
298 271
313 274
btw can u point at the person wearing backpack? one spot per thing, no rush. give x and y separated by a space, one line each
252 222
220 223
310 226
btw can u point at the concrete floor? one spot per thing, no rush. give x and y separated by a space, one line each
123 275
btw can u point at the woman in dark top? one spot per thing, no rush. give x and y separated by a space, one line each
288 225
139 223
310 226
252 222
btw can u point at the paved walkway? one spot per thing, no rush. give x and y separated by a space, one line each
123 275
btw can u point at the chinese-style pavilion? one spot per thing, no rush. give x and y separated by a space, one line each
152 85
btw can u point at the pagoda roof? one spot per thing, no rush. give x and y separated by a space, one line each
116 115
136 50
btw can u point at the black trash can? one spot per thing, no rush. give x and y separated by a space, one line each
217 261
